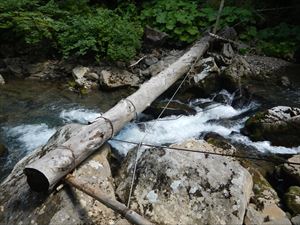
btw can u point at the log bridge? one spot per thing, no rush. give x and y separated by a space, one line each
46 172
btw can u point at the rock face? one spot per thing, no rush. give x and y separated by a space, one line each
20 205
174 187
292 171
279 125
292 199
116 78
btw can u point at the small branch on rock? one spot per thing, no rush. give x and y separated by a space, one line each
118 207
137 62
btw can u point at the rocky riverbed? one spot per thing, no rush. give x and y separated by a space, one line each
243 106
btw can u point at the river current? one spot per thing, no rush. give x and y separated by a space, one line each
31 112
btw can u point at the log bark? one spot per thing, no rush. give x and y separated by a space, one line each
118 207
46 172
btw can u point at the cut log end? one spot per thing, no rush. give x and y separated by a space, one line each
36 180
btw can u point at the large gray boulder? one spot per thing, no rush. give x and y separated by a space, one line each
279 125
173 187
64 206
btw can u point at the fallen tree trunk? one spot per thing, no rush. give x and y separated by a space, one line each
46 172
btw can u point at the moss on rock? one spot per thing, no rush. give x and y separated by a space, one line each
292 199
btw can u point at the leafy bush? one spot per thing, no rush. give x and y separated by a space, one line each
72 27
280 41
103 33
184 21
177 18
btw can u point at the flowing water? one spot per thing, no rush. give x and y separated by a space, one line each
31 112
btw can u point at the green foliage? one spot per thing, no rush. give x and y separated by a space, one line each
177 18
72 27
103 33
184 21
280 41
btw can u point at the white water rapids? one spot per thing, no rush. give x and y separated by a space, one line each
172 129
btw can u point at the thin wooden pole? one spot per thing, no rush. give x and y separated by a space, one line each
118 207
218 17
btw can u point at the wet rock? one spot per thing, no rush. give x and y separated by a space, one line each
3 150
205 77
153 37
236 73
2 81
292 199
187 188
279 125
292 171
174 108
116 78
296 220
20 205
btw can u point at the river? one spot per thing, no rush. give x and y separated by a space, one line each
31 112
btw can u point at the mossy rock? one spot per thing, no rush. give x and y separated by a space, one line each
262 189
279 125
292 199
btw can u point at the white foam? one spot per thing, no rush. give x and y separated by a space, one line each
177 129
79 115
30 136
173 129
264 146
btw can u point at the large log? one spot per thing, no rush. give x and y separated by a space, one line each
46 172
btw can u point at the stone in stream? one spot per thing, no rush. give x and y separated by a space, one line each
175 187
205 77
279 125
67 206
174 108
292 199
